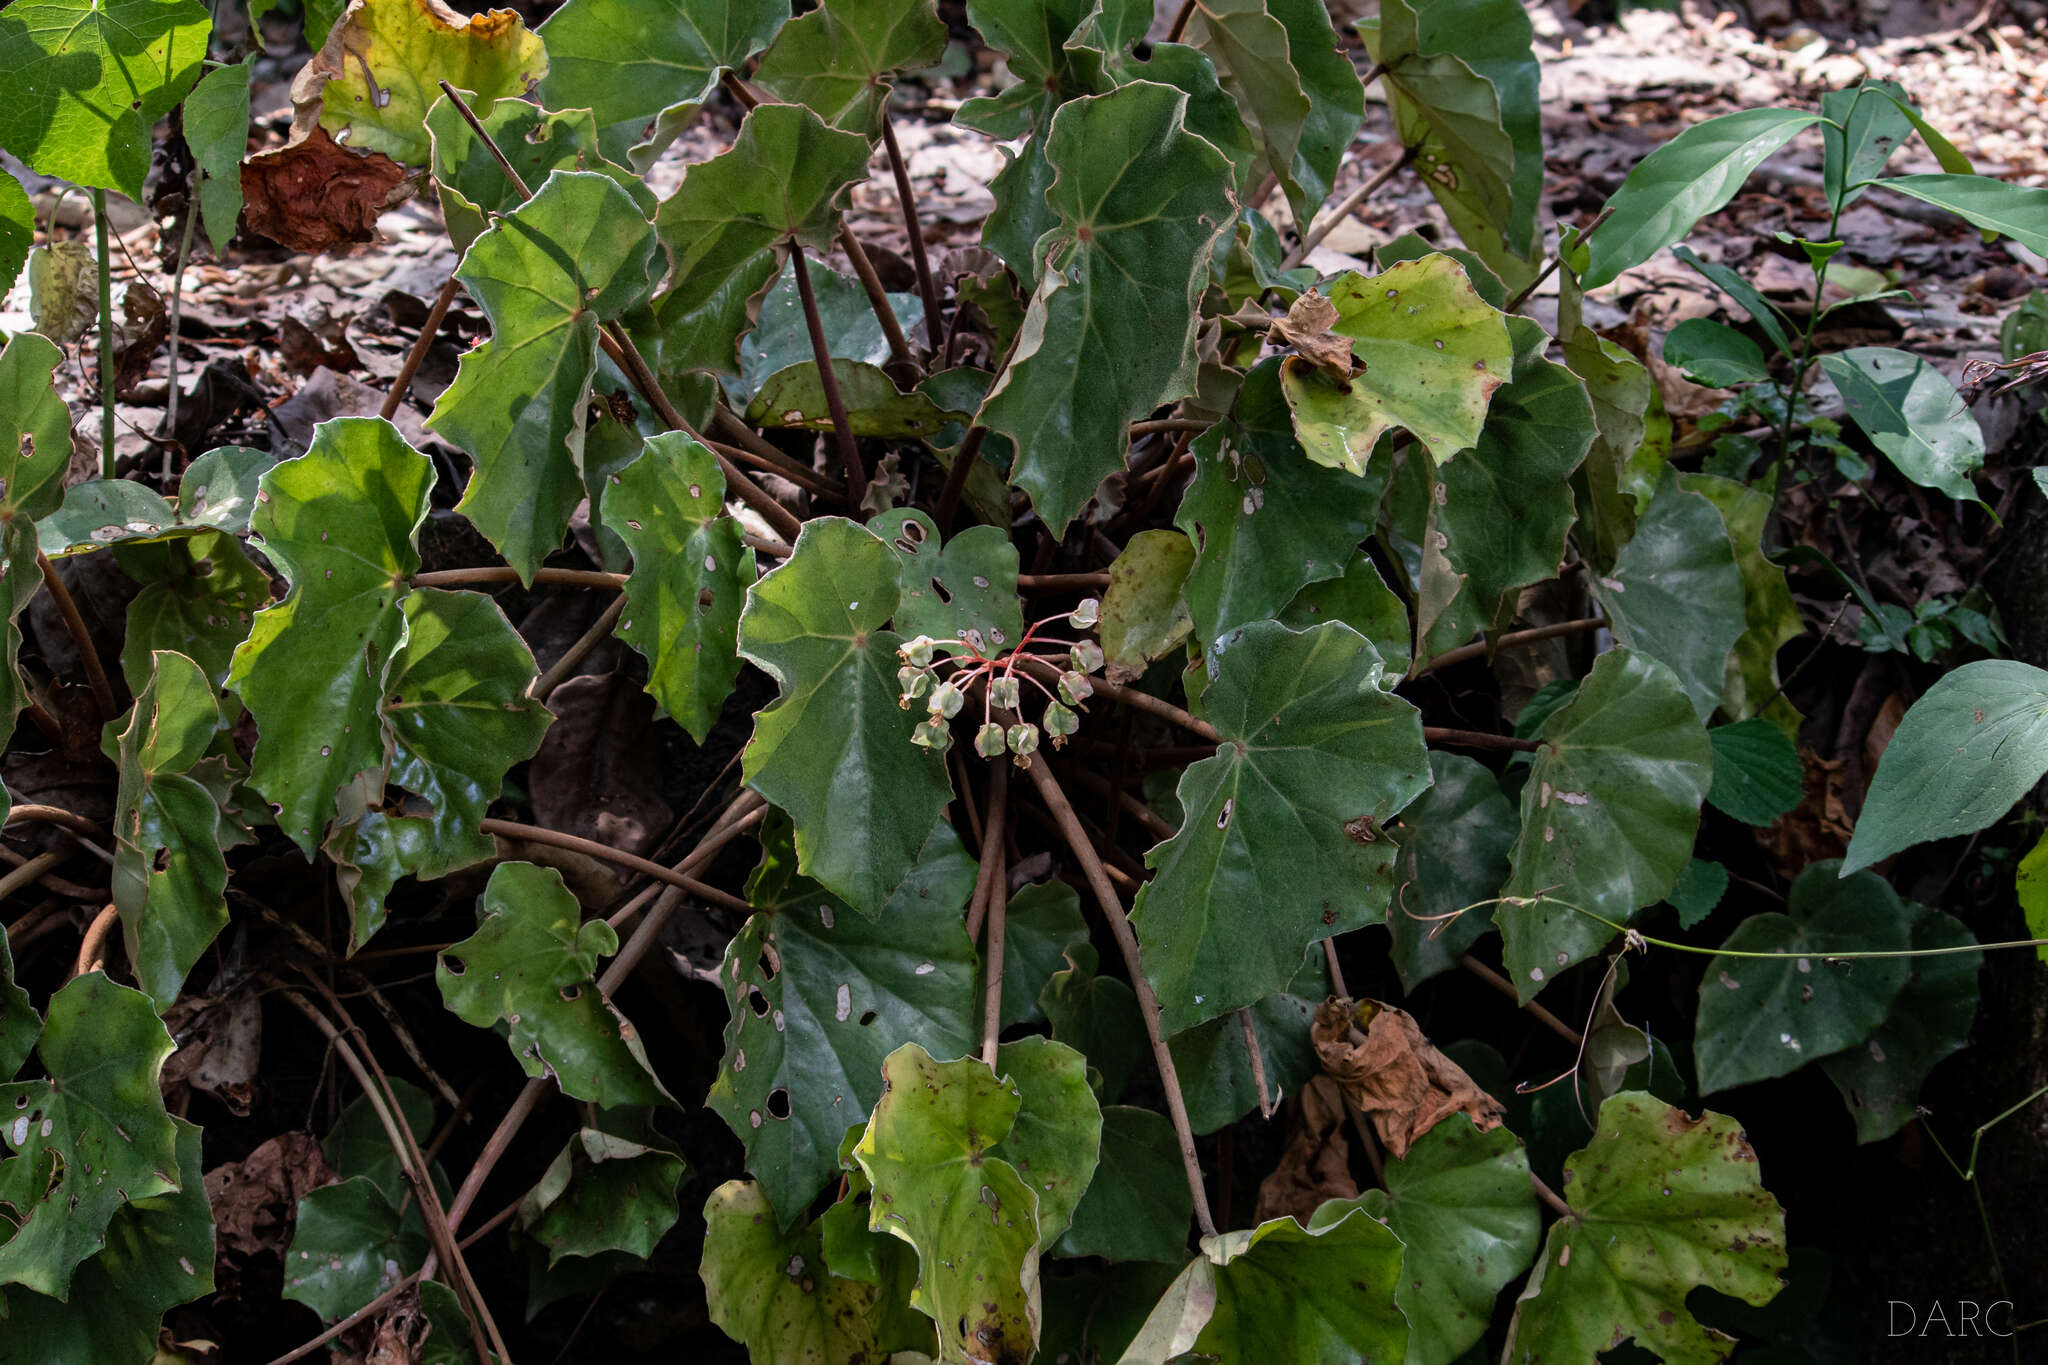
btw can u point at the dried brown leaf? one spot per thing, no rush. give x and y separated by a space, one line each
1307 329
1393 1074
1316 1164
316 195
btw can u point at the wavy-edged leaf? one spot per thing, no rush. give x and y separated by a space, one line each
546 274
603 1193
1766 1017
782 337
1929 1018
474 188
532 966
19 1023
967 584
1110 333
374 79
199 597
1280 844
1970 748
1057 1136
1608 814
1454 854
169 877
350 1244
35 450
1361 599
91 1138
88 79
1265 521
1250 49
642 63
1683 181
840 57
17 230
1913 414
691 572
818 996
835 750
969 1214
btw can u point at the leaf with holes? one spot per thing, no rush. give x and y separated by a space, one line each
547 274
1427 354
374 79
603 1193
819 996
532 966
169 877
1661 1204
91 1138
691 572
1454 855
1675 593
835 751
88 79
1280 845
1608 814
839 58
1929 1018
1913 414
349 1245
971 1217
642 63
1057 1137
968 584
1264 520
1766 1017
1110 333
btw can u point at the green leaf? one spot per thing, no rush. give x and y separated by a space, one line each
1757 773
456 717
1097 1015
1461 1204
1110 333
217 493
968 584
532 965
1874 121
1913 414
835 751
1057 1136
19 1022
1661 1203
199 597
969 1214
338 522
770 1289
1624 396
1930 1018
1215 1067
1138 1206
1675 592
358 1145
1454 854
2014 210
1428 352
1249 47
1144 615
473 185
1608 814
217 130
691 572
1697 892
1264 520
35 450
1042 926
1963 755
839 58
159 1254
169 877
603 1193
795 397
1715 354
1280 844
1682 182
90 78
1766 1017
1267 1294
852 331
1021 216
17 230
377 75
1361 599
1771 616
1336 98
1763 312
546 274
1495 38
88 1140
637 63
350 1245
2030 888
819 996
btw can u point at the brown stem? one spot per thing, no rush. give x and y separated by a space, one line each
1133 698
572 658
828 379
1336 971
1477 739
906 197
424 342
878 299
1258 1060
1063 582
505 573
1513 639
1152 426
1313 237
590 848
1148 1003
1180 21
1128 803
996 902
1535 1011
476 126
74 625
30 871
991 845
762 455
57 815
92 949
1550 1197
956 479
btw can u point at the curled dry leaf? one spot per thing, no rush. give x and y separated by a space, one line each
316 195
1307 329
1378 1055
255 1200
1316 1166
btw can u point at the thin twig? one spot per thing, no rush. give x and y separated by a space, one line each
92 949
1346 206
1550 267
56 815
1550 1196
29 871
105 263
765 456
590 848
1148 1003
505 573
424 342
1478 739
1180 21
906 198
170 425
1535 1011
878 299
81 639
996 902
1063 582
1512 640
828 379
572 658
1245 1023
1336 972
991 844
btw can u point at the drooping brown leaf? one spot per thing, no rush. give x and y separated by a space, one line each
1395 1075
1316 1164
316 195
145 322
1307 329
